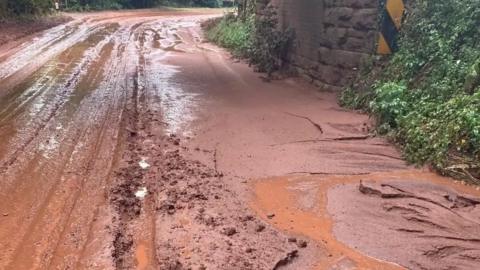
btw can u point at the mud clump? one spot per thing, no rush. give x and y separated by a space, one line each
229 231
194 202
122 246
199 221
260 228
125 200
302 243
286 260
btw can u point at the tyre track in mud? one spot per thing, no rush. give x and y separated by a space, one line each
61 97
130 178
50 45
23 190
49 201
62 130
126 181
186 217
79 172
96 175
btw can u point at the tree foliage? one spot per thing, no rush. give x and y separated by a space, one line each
10 8
119 4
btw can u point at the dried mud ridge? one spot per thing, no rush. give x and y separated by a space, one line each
440 223
199 221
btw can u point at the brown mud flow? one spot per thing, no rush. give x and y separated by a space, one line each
171 210
378 221
128 142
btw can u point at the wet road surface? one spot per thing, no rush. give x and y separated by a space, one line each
128 142
62 100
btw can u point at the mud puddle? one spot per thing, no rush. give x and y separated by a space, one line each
141 257
411 219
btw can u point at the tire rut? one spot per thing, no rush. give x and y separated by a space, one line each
62 96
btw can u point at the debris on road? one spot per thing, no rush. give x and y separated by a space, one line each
143 164
141 193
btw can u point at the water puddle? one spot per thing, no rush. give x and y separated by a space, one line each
300 205
176 104
52 43
141 257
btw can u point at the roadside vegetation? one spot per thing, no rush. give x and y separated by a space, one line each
19 18
253 36
86 5
24 8
426 97
34 8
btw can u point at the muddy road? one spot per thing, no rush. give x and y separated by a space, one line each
128 142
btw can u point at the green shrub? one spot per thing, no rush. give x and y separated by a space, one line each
435 130
428 96
352 99
233 34
390 102
254 37
270 45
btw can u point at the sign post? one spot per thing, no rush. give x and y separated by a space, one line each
392 16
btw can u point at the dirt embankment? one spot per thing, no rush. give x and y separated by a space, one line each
15 29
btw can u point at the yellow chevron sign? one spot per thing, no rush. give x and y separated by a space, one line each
395 9
391 24
383 47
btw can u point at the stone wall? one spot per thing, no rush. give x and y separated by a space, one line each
333 37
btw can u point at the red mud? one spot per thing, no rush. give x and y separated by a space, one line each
417 220
128 142
417 228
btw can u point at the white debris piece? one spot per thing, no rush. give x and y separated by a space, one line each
143 164
141 193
